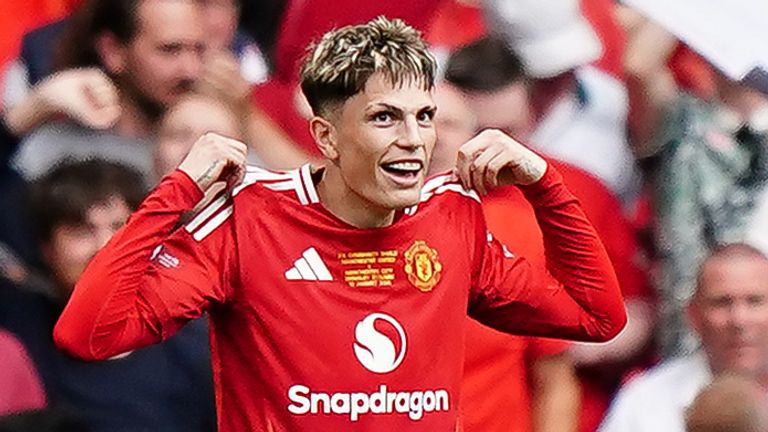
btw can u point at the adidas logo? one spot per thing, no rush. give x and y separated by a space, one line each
309 267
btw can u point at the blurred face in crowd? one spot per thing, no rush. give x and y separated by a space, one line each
730 313
72 246
187 121
507 109
164 58
455 125
380 143
221 17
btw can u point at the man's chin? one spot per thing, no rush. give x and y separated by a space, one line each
403 199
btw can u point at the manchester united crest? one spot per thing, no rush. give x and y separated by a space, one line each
422 266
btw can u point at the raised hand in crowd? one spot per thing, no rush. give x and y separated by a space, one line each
86 96
222 78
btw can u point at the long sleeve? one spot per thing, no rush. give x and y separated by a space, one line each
150 279
581 299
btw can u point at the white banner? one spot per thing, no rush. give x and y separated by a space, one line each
731 34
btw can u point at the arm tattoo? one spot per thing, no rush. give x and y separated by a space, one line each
207 177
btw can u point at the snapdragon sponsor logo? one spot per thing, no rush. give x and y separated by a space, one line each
379 346
378 350
413 403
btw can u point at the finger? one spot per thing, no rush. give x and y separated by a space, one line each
480 166
494 168
454 175
467 154
463 168
101 95
105 117
478 173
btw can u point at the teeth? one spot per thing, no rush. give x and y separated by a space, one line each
405 166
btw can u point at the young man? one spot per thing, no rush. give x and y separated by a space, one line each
337 295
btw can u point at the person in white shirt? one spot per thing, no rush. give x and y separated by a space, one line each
729 312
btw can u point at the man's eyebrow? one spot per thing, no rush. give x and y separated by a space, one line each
390 107
394 108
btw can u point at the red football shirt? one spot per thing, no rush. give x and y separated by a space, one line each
317 325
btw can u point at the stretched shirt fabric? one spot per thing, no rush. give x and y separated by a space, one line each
318 325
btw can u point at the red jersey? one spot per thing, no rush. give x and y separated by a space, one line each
317 325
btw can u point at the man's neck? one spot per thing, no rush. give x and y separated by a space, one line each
347 205
134 122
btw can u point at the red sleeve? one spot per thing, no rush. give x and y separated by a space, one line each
151 278
582 302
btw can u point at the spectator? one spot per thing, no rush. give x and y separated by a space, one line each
731 403
69 95
152 50
222 34
77 208
600 367
220 17
511 383
579 110
729 311
20 386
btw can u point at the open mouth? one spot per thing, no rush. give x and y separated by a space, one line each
405 173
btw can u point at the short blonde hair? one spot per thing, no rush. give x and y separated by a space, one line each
340 63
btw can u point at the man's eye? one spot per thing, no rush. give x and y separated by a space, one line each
382 117
426 116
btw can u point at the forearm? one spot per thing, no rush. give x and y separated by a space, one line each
556 395
27 115
578 261
110 310
631 342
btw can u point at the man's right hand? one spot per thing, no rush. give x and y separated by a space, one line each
215 158
87 96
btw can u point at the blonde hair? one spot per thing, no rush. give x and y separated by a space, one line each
341 62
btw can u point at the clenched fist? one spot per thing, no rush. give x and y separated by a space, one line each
86 96
493 158
215 158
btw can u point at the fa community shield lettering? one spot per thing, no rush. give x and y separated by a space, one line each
422 266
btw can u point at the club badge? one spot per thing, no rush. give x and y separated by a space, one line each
422 266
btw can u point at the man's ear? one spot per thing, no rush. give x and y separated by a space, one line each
111 52
325 137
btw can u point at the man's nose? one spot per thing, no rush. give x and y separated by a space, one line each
411 133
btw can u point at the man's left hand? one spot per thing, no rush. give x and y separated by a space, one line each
493 158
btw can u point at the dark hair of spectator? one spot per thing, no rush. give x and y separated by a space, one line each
485 65
65 195
77 46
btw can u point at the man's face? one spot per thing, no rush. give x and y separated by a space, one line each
384 137
507 109
183 124
72 246
455 125
165 57
730 313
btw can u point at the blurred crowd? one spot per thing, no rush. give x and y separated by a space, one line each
669 157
